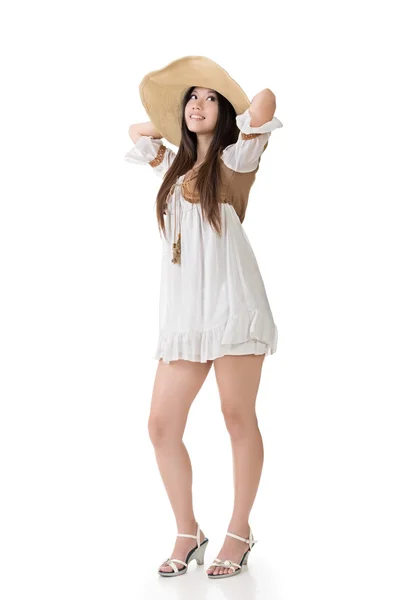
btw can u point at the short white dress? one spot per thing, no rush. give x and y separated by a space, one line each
214 302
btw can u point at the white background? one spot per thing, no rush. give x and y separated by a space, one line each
83 510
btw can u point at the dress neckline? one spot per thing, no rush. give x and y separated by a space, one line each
186 176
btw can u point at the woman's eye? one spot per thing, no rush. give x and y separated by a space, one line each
213 97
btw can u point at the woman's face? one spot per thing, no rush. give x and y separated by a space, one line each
202 103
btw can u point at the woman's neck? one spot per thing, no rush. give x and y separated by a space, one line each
203 144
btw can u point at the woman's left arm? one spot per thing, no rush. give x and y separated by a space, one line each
262 107
255 126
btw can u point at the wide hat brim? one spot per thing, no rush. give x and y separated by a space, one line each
162 91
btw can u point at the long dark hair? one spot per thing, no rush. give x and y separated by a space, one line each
209 173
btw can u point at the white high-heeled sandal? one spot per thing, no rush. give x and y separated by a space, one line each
228 564
196 554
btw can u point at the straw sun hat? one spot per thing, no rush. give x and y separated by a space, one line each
162 91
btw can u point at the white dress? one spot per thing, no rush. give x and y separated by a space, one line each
214 302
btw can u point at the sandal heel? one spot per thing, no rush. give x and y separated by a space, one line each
199 554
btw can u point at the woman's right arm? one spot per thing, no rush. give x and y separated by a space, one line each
149 148
147 128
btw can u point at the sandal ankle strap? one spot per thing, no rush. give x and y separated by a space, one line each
251 541
189 535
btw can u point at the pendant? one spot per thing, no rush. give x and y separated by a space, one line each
176 251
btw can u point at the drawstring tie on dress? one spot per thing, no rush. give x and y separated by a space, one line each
176 246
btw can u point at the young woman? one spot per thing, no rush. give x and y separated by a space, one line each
213 304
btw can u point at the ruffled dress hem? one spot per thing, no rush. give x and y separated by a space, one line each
246 332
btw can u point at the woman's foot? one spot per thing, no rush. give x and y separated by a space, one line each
232 549
182 548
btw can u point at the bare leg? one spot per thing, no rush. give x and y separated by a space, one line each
238 379
176 386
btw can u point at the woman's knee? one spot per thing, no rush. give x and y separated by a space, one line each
162 430
238 420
